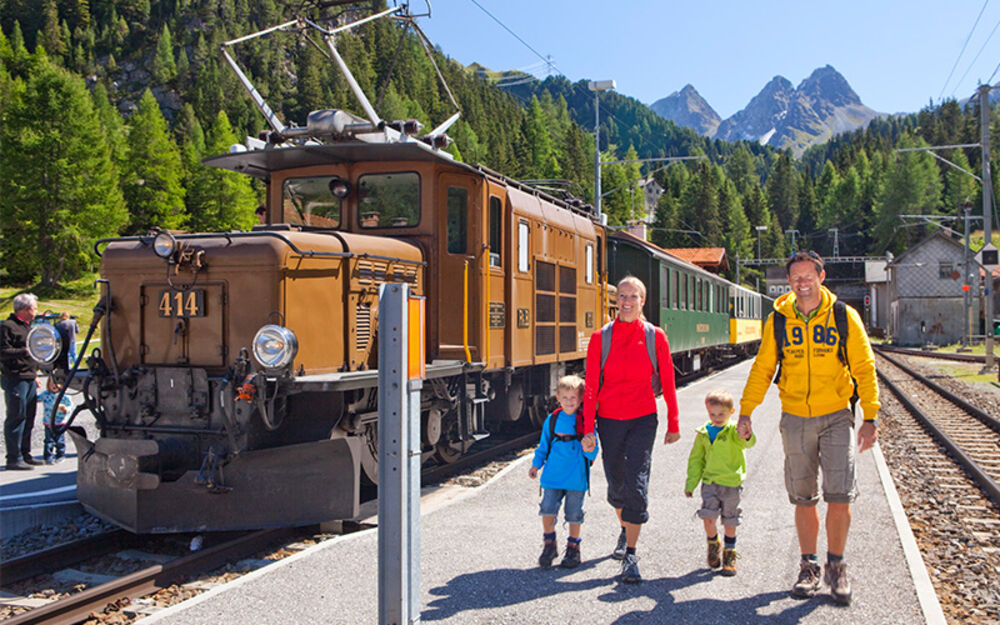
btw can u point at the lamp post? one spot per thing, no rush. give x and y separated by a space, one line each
759 229
597 86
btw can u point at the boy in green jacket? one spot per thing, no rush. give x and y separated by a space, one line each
718 461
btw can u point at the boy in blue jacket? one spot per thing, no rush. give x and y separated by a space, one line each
566 474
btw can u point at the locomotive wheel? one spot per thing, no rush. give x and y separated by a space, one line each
447 453
369 454
538 412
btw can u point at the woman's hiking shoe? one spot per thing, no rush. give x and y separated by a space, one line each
619 552
835 577
729 562
549 553
630 569
571 559
808 582
714 551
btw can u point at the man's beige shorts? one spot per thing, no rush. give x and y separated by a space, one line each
814 443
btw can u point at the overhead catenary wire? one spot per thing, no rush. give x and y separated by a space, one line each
976 58
962 51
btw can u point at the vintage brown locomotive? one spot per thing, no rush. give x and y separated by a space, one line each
236 382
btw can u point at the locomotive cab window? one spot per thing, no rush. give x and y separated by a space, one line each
522 245
496 232
310 202
458 219
389 200
589 274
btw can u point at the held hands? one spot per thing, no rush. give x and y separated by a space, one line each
743 427
671 437
867 435
588 443
687 494
533 472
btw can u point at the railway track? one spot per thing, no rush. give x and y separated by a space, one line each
943 459
923 353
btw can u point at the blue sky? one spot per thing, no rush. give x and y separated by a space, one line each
896 55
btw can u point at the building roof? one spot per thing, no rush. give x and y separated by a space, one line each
709 258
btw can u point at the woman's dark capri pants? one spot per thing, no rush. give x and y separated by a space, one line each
627 448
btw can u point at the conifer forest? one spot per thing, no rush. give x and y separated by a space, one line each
107 108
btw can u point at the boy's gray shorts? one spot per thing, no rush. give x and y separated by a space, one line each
814 443
717 500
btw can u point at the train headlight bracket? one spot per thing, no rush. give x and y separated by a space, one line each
274 347
43 344
164 244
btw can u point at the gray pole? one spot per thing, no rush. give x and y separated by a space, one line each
597 154
984 139
967 292
399 464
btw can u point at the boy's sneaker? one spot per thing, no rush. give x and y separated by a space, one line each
808 582
549 553
49 461
619 552
835 577
571 559
714 550
630 569
729 562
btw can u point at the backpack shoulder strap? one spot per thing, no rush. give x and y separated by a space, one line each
840 320
605 348
552 435
778 324
651 347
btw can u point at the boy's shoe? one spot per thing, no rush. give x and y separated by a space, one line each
58 459
835 576
808 582
729 562
571 558
714 550
18 466
49 461
29 460
630 569
619 552
549 553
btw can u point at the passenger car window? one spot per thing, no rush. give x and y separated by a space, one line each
310 202
389 200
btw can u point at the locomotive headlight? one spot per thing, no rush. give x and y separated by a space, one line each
274 347
43 344
340 188
164 244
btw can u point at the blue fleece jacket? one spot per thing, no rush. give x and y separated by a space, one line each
566 466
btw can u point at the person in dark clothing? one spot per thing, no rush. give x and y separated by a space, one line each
68 328
19 381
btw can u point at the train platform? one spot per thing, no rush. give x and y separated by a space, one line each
479 553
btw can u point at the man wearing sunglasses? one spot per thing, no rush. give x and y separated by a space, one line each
817 374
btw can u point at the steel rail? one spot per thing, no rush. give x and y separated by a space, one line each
435 474
926 354
986 483
77 607
64 555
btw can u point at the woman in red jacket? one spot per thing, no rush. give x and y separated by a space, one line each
624 405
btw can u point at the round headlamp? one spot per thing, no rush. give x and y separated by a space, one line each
340 188
43 344
164 244
274 347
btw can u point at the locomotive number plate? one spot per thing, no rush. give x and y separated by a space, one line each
190 303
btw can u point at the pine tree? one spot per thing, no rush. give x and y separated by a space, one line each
911 186
164 68
151 180
220 200
58 184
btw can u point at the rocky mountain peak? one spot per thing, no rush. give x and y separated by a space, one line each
687 108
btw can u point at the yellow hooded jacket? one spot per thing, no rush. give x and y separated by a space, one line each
814 382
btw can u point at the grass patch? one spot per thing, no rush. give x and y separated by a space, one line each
968 373
76 297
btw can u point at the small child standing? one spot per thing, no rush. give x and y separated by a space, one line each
566 474
718 461
55 446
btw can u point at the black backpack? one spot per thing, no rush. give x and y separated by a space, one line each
553 437
840 320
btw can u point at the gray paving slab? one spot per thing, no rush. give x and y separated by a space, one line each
479 552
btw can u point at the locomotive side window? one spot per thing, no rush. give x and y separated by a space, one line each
522 246
496 232
458 218
589 274
389 200
311 202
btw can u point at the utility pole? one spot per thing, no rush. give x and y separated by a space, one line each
793 232
597 86
984 140
967 283
836 242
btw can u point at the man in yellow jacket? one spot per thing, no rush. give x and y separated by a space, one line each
817 421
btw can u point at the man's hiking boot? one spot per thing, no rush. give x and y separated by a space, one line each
630 569
835 577
714 551
808 582
549 553
619 552
571 558
729 562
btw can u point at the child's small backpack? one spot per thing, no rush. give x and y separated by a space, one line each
553 437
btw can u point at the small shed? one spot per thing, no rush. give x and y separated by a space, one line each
926 300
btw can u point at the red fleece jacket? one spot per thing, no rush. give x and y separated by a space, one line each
627 392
